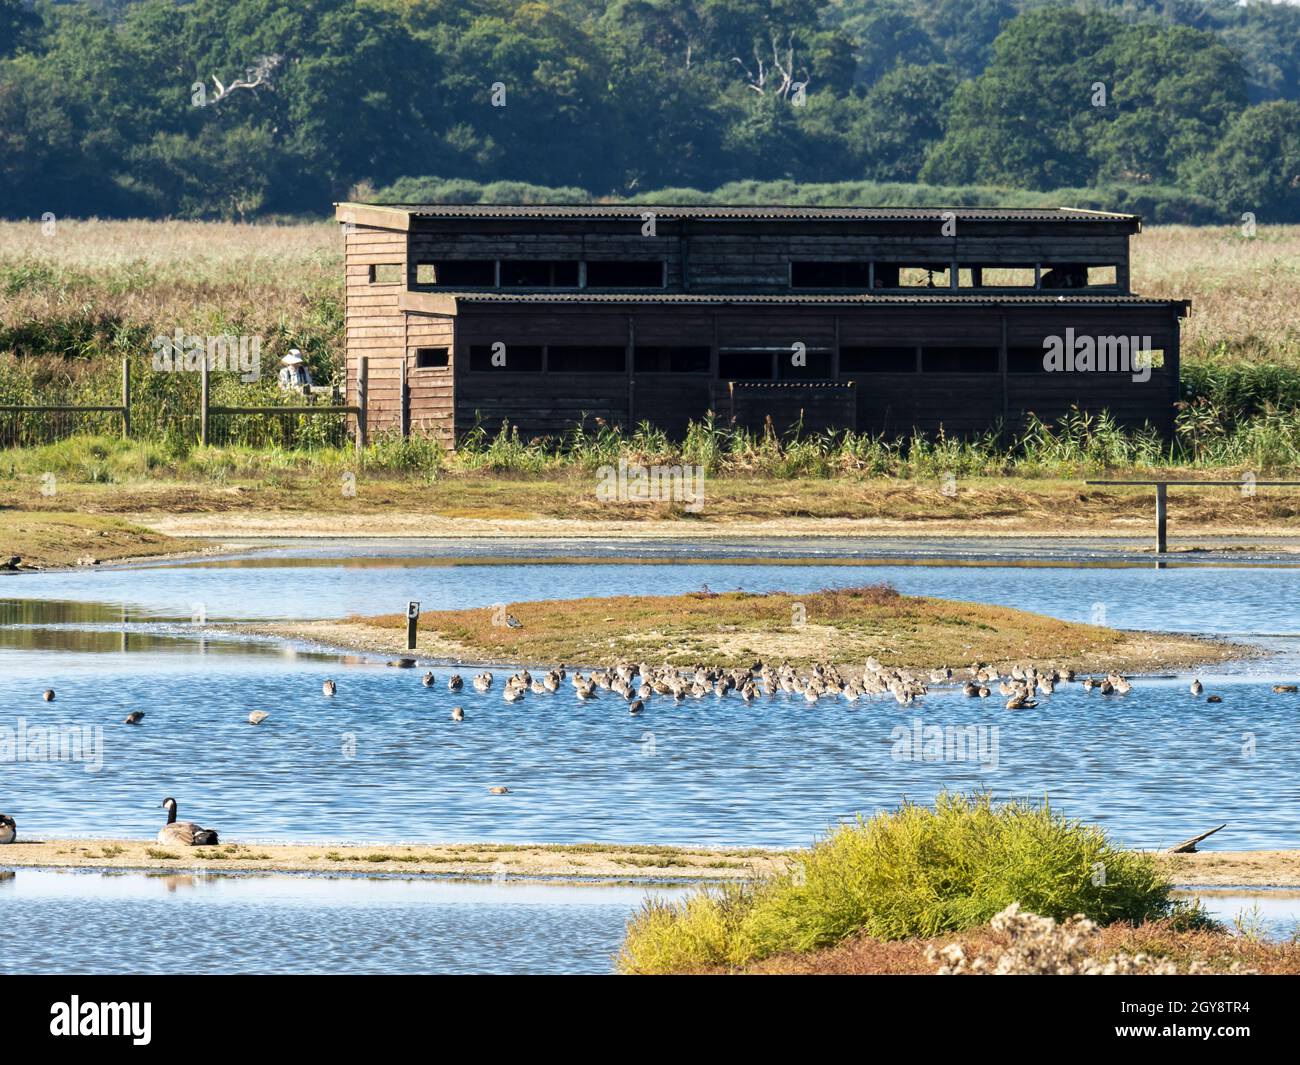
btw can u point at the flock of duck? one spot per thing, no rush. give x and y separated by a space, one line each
637 684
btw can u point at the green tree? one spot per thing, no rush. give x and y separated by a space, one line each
1256 167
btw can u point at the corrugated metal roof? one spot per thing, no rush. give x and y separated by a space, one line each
849 298
634 212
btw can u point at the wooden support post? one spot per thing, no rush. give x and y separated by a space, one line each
404 400
363 392
412 619
1162 501
203 403
126 399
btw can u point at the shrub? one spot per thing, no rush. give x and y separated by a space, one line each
915 871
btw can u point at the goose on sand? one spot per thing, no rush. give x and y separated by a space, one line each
184 833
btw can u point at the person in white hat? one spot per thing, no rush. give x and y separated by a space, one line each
293 371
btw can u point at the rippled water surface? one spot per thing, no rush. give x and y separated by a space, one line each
383 761
304 924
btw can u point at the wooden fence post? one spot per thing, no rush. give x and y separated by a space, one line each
1162 505
363 396
203 403
126 399
404 400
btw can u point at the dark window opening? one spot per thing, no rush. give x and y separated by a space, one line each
432 358
745 365
507 358
671 360
959 360
830 275
912 275
457 273
539 273
1025 359
816 366
1001 275
386 273
586 358
628 273
1065 275
877 360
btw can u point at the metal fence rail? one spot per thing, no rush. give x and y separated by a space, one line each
1162 497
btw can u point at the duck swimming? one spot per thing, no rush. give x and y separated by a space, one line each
428 679
455 683
184 833
49 695
329 687
133 718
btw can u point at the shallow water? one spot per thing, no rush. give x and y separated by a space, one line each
383 761
1073 580
304 924
295 923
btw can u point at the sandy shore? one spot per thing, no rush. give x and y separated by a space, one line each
253 523
559 863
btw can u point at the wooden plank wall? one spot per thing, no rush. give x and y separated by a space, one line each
961 404
431 391
374 326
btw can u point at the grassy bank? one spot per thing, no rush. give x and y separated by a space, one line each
45 539
405 488
735 628
914 873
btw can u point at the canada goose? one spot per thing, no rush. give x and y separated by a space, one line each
49 695
455 683
513 622
134 717
499 790
257 717
483 681
428 679
184 833
457 714
1197 686
513 693
8 829
329 687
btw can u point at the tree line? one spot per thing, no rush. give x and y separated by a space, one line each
245 108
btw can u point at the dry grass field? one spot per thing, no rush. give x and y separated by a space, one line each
277 278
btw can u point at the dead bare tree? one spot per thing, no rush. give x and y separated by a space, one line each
254 77
784 66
